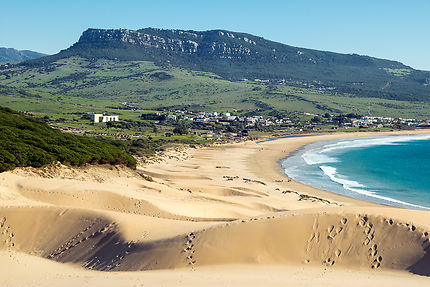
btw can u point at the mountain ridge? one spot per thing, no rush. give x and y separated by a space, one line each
94 35
14 55
237 56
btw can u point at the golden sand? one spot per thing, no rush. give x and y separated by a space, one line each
222 215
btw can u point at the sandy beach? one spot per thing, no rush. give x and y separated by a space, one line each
215 216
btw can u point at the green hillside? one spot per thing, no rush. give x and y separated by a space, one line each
69 88
25 141
236 56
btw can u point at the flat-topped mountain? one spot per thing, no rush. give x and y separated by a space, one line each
238 56
13 55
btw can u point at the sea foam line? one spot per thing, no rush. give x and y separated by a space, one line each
321 155
367 142
357 187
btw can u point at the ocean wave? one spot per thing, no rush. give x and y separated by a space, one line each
326 153
315 157
367 142
355 186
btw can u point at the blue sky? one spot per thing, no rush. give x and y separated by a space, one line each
391 29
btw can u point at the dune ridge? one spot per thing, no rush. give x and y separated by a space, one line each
195 209
330 238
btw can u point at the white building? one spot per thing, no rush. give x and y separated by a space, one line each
100 118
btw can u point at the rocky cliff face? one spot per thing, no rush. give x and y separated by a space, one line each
211 42
221 44
238 56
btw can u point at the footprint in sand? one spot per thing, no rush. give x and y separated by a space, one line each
373 252
367 230
333 231
363 220
317 237
377 263
389 221
366 241
311 238
2 221
189 248
329 262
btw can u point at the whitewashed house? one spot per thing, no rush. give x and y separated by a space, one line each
100 118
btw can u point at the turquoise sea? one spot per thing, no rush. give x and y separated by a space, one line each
393 170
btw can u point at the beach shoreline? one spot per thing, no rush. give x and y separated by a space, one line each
192 214
297 143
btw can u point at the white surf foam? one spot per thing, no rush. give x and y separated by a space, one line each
354 186
325 154
367 142
312 157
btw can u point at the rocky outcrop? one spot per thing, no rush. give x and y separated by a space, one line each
222 43
239 56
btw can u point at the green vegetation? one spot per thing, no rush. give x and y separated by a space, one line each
317 91
232 72
69 88
147 147
237 56
25 141
399 72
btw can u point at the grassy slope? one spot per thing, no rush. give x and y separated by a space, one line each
79 85
25 141
234 55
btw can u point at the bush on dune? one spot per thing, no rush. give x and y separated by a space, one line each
25 141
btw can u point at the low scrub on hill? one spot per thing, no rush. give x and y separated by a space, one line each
25 141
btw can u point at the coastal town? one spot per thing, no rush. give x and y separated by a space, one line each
350 120
234 125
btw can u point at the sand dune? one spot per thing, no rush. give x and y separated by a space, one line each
328 238
202 209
